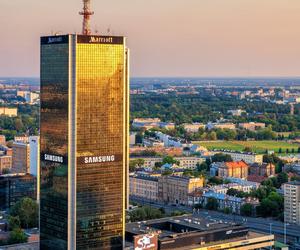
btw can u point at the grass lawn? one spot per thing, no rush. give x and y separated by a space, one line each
257 146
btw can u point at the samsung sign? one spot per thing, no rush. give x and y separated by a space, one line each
99 159
53 158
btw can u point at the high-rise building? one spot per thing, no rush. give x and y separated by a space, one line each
34 144
292 202
84 142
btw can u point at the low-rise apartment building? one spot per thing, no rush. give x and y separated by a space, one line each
262 169
184 162
247 157
210 126
224 201
11 112
143 187
5 163
252 126
175 189
193 127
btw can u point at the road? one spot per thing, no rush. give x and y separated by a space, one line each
257 224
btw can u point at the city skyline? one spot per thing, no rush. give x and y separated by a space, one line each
217 39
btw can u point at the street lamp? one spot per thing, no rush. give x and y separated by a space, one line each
271 232
285 225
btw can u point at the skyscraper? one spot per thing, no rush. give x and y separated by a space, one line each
84 137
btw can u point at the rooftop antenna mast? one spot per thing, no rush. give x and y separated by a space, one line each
86 13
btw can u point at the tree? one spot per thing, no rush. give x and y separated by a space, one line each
5 171
145 213
212 204
215 180
221 158
139 138
202 167
27 210
167 172
248 149
135 163
169 160
17 236
227 210
247 209
14 222
18 124
282 178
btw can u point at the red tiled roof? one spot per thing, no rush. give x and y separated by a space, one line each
236 164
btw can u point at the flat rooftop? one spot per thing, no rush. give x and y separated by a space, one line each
191 232
168 227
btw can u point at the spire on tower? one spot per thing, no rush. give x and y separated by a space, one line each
86 13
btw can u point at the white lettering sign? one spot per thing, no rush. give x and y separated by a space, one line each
99 159
54 39
53 158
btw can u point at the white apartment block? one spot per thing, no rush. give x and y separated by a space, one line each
184 162
249 158
292 202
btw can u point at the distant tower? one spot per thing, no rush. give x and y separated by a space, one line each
86 13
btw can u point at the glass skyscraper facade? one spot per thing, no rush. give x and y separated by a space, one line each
84 135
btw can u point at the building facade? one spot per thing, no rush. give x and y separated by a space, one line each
20 157
233 169
84 137
252 126
14 187
184 162
5 163
144 187
193 127
264 169
11 112
292 202
175 189
249 158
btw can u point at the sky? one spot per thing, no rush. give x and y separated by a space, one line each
170 38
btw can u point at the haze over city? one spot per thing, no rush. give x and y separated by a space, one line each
170 38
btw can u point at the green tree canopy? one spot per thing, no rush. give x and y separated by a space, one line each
27 210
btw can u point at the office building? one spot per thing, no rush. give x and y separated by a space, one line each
14 187
20 157
84 141
292 202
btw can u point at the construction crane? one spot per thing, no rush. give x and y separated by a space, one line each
86 13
